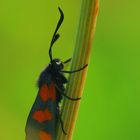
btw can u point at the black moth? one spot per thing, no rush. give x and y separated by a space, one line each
45 112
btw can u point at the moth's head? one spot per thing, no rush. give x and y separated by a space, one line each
57 64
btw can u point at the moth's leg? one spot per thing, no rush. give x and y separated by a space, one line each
68 60
61 122
63 94
70 72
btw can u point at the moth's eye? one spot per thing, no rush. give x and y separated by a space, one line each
58 63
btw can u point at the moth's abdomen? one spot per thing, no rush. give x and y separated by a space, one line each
41 122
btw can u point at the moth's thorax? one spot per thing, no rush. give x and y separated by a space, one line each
52 73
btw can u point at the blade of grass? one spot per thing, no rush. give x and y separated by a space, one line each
87 23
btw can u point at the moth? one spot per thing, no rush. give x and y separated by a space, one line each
45 112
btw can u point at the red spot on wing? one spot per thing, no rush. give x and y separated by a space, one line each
44 93
45 136
52 91
42 116
47 92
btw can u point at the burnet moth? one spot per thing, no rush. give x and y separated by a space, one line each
45 112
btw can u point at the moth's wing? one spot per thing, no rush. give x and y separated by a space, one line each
41 122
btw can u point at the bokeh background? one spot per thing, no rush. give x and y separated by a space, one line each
110 107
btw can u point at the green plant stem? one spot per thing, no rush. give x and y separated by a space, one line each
87 23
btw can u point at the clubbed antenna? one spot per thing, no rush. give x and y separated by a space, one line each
56 35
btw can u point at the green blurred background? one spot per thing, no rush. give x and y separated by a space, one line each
110 107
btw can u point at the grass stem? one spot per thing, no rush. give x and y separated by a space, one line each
81 56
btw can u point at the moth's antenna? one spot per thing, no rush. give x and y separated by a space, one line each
56 35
